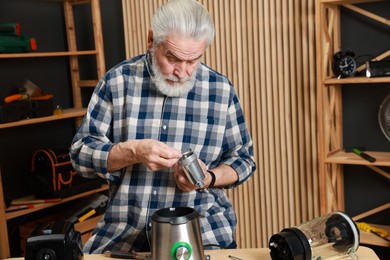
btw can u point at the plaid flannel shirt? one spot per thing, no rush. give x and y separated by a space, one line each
126 105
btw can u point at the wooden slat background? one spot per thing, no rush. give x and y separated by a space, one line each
267 49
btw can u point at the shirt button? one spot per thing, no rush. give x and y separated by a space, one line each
154 192
150 224
164 127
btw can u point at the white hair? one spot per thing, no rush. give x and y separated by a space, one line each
184 17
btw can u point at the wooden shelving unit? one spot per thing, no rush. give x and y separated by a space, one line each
68 113
332 155
46 54
37 207
76 112
355 80
342 157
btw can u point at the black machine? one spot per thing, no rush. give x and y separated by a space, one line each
54 241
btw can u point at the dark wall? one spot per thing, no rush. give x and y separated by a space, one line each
44 20
364 188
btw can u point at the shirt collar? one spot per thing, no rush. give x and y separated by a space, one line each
148 63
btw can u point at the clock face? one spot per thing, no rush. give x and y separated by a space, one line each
344 66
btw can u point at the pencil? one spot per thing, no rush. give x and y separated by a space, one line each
18 207
38 201
124 255
87 215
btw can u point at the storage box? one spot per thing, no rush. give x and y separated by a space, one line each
40 108
21 110
12 44
15 111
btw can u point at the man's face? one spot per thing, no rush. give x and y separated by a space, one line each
174 63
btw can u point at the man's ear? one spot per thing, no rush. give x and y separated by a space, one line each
150 39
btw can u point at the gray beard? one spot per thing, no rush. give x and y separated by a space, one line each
175 89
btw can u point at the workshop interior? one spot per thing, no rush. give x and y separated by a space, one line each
313 78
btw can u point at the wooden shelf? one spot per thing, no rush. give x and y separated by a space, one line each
339 2
372 239
68 113
342 157
37 207
355 80
46 54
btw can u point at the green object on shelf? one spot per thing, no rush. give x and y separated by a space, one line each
363 155
15 44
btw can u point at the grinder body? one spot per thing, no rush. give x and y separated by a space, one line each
176 234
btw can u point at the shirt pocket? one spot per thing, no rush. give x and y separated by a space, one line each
199 129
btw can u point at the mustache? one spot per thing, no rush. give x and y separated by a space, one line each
175 79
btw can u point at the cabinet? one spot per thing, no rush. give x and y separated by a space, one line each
76 111
332 153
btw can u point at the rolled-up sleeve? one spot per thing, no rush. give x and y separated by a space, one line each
91 143
238 143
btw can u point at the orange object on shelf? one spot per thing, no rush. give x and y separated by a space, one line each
15 97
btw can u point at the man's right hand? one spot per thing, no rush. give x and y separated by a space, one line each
155 154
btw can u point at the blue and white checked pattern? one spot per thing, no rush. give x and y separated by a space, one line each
126 105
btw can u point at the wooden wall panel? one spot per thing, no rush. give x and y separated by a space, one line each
267 49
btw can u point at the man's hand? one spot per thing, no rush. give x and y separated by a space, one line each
183 182
155 154
224 176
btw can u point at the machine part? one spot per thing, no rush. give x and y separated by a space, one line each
181 250
193 171
325 237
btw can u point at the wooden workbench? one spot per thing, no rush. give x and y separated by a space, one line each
364 253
